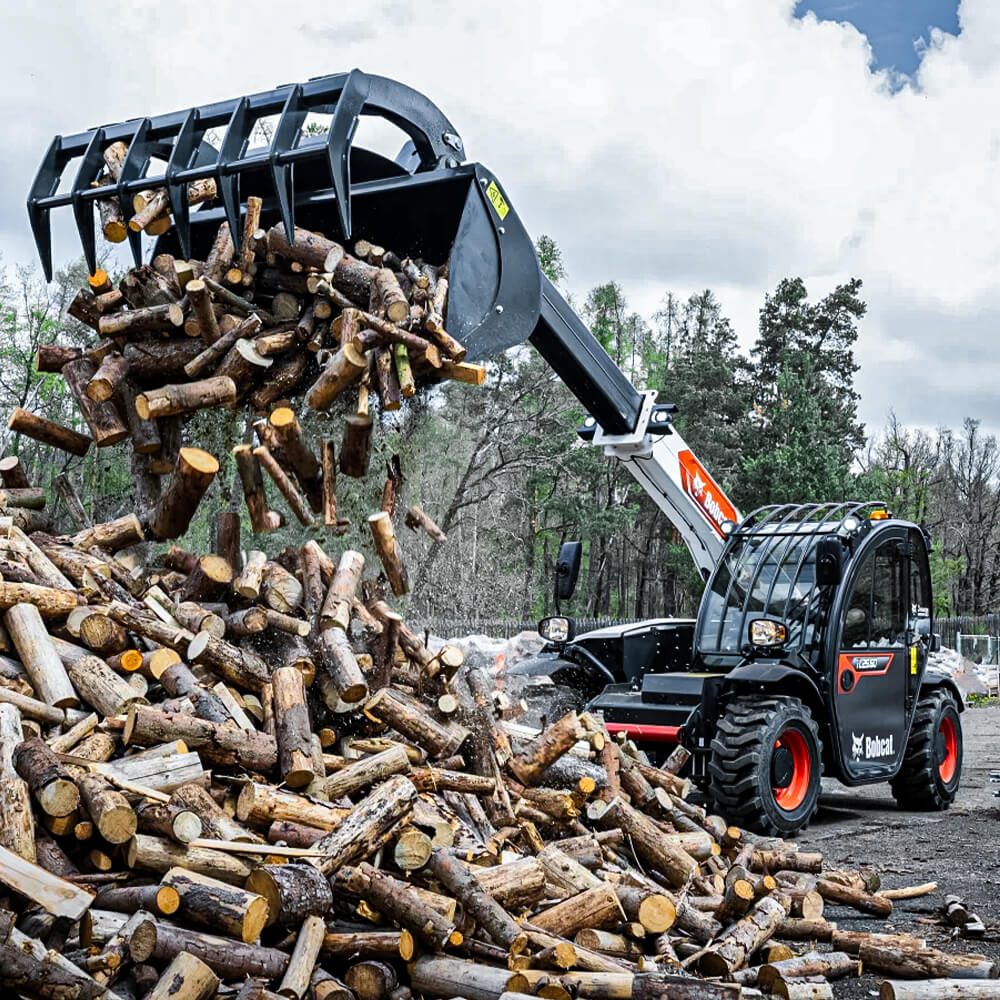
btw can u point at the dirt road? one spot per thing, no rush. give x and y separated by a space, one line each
959 849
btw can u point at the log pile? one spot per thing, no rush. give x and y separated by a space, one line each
263 783
287 319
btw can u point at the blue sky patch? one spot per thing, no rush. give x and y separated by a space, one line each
895 28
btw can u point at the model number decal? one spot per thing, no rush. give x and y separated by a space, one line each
866 664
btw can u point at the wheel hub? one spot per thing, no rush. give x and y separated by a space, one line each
782 767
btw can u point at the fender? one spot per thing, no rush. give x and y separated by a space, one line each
770 673
935 679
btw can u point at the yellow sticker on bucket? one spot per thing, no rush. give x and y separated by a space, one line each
497 199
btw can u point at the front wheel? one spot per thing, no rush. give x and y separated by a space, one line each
766 764
932 765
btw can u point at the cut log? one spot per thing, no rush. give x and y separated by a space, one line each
307 248
292 726
651 843
292 891
342 666
925 963
48 432
193 474
298 973
158 855
102 418
259 804
440 976
406 716
295 502
217 905
939 989
185 978
253 489
344 369
186 398
416 518
53 894
375 816
366 772
355 448
45 670
336 609
384 538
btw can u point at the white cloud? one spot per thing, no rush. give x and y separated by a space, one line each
701 143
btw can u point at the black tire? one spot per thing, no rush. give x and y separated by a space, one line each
932 770
745 757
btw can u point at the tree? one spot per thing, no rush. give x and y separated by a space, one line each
804 429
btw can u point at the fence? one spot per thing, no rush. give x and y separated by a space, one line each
499 629
950 628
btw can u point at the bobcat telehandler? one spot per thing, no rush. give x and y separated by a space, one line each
810 649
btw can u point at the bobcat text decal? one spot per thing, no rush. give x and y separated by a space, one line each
871 747
700 486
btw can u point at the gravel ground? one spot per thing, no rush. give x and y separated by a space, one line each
959 849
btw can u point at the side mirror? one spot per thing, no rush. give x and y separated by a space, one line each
934 646
828 573
568 569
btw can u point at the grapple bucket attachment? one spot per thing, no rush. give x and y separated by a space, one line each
424 203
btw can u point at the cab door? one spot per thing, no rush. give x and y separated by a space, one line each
872 666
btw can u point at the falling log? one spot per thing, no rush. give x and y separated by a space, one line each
408 717
203 322
219 744
159 942
103 384
186 398
388 381
12 473
343 370
925 963
307 248
295 502
371 819
342 666
253 489
548 747
292 727
336 609
102 418
213 354
404 371
416 518
384 538
298 455
217 905
193 474
355 448
292 891
48 432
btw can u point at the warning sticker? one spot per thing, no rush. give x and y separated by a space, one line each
497 200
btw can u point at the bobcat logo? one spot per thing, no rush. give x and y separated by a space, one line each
872 747
857 746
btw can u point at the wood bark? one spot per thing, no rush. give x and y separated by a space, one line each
651 843
260 804
273 468
293 728
305 247
384 538
344 369
27 631
406 716
366 772
102 418
924 963
355 449
186 398
298 973
341 666
336 611
185 978
732 949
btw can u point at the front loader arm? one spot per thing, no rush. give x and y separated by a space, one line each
635 429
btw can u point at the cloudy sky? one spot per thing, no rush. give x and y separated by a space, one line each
670 144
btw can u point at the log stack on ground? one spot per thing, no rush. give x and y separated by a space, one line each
248 777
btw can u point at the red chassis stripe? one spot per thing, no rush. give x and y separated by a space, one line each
653 734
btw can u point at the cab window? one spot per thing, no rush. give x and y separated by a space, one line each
876 612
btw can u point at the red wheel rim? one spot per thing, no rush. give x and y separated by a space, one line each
947 767
794 793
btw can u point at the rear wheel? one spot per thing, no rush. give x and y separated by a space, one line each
932 764
766 764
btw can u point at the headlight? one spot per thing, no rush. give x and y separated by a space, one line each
767 632
555 629
850 525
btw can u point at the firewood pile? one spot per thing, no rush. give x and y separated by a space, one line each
262 785
241 776
283 319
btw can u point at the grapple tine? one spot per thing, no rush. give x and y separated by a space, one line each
234 144
187 139
45 183
287 131
134 167
338 144
83 208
